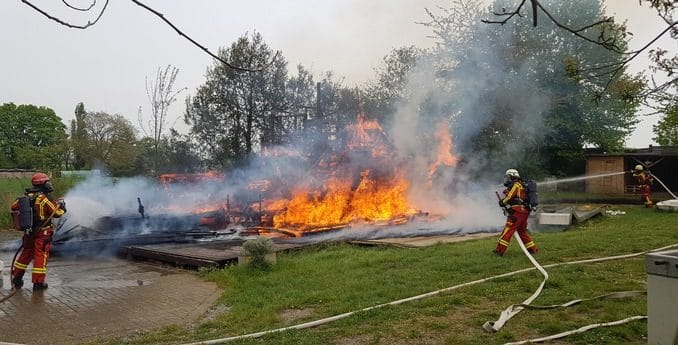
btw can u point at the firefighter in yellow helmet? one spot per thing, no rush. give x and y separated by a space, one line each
644 180
517 210
37 240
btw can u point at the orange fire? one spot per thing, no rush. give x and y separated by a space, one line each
338 203
345 198
445 147
364 183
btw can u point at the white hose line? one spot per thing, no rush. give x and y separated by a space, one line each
413 298
579 330
663 185
514 309
618 294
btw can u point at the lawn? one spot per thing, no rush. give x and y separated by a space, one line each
335 278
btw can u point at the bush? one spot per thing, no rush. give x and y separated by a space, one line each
257 249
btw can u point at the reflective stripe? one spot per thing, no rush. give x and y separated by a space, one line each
41 200
39 270
46 207
502 242
506 228
529 244
20 266
511 193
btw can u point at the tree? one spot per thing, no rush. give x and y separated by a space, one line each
78 138
235 112
161 95
111 141
389 90
517 99
666 130
31 137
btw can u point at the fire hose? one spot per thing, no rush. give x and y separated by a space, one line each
663 185
438 292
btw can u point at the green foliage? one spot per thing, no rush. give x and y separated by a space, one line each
519 89
31 137
111 140
666 130
235 111
390 88
257 249
78 139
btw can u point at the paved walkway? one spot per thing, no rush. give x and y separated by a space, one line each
91 299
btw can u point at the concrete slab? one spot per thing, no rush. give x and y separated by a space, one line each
91 299
668 205
206 254
555 218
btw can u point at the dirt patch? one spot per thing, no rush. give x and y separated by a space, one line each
214 311
290 315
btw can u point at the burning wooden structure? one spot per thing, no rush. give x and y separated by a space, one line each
361 181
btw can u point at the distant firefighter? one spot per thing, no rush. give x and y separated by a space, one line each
516 205
644 180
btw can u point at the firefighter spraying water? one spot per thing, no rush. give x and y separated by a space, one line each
32 214
644 180
517 206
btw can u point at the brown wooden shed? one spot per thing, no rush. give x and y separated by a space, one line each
661 161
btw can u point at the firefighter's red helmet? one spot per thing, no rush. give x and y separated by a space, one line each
39 179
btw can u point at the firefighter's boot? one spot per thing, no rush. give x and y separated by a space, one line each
17 282
39 286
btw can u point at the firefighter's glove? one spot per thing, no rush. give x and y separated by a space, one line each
501 203
62 204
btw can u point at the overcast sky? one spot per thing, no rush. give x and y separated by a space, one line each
105 66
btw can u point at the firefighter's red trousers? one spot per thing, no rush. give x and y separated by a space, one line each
517 221
36 248
645 190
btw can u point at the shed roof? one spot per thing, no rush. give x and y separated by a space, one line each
650 151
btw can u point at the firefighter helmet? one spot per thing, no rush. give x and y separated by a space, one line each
639 167
512 173
39 179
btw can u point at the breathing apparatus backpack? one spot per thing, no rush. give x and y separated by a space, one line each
23 216
532 194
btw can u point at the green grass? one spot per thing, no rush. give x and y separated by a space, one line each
11 188
330 279
546 197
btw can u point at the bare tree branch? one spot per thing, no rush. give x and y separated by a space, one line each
94 2
607 43
619 65
508 15
158 14
162 17
72 26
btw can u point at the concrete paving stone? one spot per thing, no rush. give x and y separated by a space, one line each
90 299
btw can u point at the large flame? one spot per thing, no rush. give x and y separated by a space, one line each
338 203
376 196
